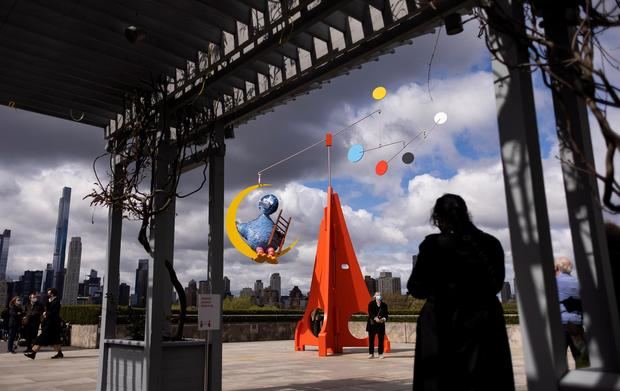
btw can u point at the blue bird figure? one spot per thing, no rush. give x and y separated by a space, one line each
257 232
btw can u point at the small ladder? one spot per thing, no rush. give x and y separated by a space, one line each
281 226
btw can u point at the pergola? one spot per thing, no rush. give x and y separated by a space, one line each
221 63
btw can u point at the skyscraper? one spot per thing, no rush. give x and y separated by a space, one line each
204 286
4 252
258 288
387 284
48 278
191 293
275 283
142 280
31 282
72 279
123 293
227 286
60 243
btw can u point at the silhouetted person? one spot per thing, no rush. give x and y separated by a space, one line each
316 319
16 312
50 326
32 320
571 312
377 316
461 341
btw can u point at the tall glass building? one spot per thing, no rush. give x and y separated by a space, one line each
4 252
60 243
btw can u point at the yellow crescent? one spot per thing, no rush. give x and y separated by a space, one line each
231 228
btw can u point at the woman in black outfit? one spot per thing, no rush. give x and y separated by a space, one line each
50 326
32 320
461 341
16 313
377 316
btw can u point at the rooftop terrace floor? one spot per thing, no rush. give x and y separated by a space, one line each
271 365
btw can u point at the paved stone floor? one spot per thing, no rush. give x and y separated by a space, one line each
247 366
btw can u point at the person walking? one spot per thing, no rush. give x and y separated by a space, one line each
571 312
32 320
50 327
375 326
461 340
16 312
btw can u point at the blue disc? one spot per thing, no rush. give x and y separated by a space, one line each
356 153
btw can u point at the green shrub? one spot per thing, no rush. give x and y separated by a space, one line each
81 314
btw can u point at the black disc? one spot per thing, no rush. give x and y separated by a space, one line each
408 158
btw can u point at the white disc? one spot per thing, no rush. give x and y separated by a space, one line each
441 118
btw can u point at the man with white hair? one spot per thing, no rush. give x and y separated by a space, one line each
571 311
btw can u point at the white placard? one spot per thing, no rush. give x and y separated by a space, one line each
209 312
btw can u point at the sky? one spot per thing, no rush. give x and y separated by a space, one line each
387 217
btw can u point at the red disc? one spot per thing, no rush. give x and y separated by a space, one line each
381 167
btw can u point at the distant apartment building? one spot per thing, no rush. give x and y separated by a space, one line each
93 288
387 284
191 293
142 281
123 294
270 297
204 286
30 282
227 287
275 283
246 292
258 288
296 298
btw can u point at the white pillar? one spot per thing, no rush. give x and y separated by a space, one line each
110 288
543 343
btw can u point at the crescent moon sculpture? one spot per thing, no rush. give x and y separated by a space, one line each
235 238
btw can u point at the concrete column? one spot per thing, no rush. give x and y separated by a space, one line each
110 289
159 287
584 206
216 252
543 343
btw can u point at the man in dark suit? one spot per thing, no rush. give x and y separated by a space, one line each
377 316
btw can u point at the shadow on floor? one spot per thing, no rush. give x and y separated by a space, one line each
342 384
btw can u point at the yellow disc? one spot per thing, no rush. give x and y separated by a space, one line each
379 93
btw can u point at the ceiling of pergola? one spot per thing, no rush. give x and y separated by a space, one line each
71 59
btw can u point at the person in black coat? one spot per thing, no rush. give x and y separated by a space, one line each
32 320
50 326
461 341
377 316
16 312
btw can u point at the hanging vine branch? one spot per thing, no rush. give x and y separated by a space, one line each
580 72
134 176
